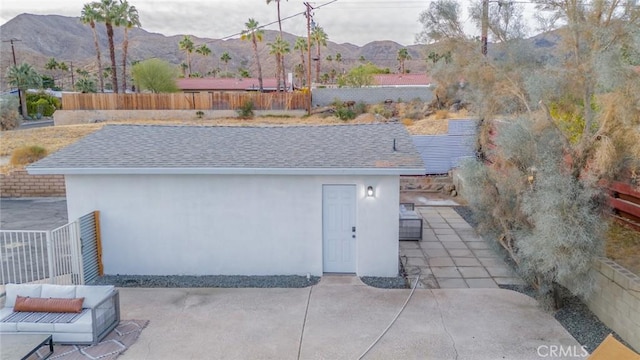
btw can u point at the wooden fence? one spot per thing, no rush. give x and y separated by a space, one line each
625 201
185 101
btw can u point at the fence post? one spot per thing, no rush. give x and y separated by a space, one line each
96 218
76 254
50 251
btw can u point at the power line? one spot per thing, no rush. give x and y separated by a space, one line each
275 22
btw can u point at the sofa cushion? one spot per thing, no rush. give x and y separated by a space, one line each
52 305
93 294
13 290
80 325
35 327
6 327
58 291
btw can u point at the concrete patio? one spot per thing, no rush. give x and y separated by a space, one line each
452 255
339 319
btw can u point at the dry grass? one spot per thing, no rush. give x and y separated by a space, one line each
623 246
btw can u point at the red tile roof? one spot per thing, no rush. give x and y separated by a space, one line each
240 84
402 79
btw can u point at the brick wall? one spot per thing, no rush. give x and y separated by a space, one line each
19 183
617 300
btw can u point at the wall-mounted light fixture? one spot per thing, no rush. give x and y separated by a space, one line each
370 192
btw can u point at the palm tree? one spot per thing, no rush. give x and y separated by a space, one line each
403 55
279 48
108 12
23 77
129 18
62 66
90 16
86 85
254 34
280 28
52 65
203 50
338 59
187 46
225 58
318 38
302 46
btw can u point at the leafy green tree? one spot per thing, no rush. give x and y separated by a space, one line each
244 73
254 33
279 48
203 50
403 55
187 45
155 75
109 12
318 39
89 15
361 75
225 58
23 77
128 18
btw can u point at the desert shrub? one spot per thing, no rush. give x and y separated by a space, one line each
360 108
530 201
344 113
27 154
9 114
382 110
407 122
246 110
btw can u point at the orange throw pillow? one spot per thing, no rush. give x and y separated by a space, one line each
52 305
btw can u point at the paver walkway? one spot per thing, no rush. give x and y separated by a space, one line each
452 255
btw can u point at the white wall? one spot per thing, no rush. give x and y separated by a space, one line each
230 224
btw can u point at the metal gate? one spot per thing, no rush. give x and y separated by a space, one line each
52 256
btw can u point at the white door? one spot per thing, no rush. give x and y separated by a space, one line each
338 228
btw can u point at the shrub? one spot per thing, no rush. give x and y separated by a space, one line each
407 122
27 154
383 111
246 110
9 115
344 113
360 108
199 114
42 104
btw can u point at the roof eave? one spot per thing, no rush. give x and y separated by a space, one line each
225 171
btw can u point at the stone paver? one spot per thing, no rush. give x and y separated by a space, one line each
452 255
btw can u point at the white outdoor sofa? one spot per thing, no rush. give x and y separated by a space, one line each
99 315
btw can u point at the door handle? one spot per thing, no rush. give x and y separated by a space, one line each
353 229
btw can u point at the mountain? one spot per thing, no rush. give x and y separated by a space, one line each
66 39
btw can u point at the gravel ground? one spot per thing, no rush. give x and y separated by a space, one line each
385 282
574 315
221 281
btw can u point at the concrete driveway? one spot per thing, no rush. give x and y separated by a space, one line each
339 319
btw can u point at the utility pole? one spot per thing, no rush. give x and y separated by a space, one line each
13 52
485 25
308 14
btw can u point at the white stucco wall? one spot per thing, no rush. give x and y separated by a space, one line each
231 224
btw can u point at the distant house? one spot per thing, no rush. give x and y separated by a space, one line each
399 80
225 84
193 200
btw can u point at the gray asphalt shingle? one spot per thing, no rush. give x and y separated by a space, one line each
367 146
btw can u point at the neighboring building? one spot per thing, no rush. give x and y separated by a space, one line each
225 84
187 200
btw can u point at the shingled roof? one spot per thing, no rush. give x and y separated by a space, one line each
153 149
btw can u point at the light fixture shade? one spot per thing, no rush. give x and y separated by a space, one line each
370 192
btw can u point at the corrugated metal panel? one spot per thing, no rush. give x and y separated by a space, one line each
463 127
89 247
441 153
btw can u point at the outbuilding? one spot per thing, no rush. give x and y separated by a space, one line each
241 200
